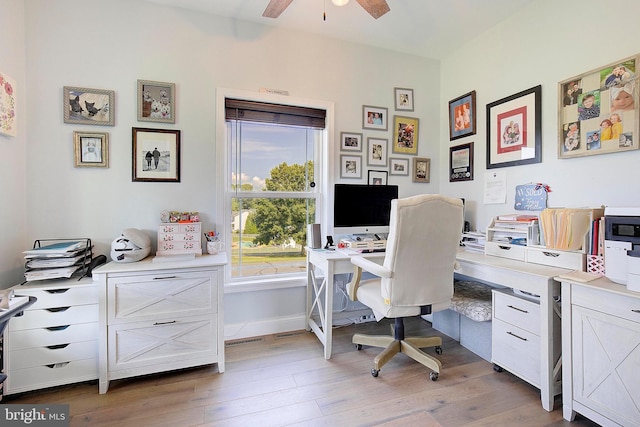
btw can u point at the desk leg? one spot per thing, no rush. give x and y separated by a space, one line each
547 349
320 297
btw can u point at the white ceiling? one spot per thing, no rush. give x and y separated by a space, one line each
429 28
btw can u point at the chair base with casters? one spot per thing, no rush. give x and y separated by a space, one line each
398 343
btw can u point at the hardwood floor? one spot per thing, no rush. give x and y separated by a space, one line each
283 380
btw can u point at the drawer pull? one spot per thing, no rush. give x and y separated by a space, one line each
57 291
57 365
57 309
57 346
164 323
164 278
517 336
518 309
636 311
551 254
57 328
505 248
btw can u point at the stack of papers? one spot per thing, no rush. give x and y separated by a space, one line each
474 241
57 260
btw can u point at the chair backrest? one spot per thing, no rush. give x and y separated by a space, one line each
424 237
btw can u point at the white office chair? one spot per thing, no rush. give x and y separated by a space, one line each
416 277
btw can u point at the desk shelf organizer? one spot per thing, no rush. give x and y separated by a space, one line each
58 258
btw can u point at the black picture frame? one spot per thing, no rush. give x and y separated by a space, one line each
461 162
147 166
462 116
375 177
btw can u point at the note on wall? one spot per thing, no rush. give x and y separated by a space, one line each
531 197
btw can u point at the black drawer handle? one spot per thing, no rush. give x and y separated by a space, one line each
57 347
636 311
57 328
57 365
551 254
164 278
514 335
57 309
57 291
518 309
164 323
506 248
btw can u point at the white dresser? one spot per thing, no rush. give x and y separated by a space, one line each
158 317
55 341
601 352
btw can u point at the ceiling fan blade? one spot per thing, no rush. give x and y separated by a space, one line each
275 8
375 8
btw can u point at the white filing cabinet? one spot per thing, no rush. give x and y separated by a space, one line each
55 341
516 338
601 352
157 317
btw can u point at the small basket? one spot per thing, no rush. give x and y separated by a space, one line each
595 264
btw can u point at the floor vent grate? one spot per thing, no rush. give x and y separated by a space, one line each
243 341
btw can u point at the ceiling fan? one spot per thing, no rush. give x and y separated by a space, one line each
375 8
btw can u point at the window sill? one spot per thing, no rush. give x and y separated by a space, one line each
265 284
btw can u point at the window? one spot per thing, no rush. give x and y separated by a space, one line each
274 154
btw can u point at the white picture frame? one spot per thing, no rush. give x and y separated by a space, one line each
377 149
350 167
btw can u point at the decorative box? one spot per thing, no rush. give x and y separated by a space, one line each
180 238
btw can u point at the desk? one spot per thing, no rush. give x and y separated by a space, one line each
533 278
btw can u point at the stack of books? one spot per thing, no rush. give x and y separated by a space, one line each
58 259
474 241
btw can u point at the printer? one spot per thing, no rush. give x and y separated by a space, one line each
622 246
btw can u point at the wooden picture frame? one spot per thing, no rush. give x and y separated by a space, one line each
514 130
375 118
350 141
156 101
84 106
398 166
461 162
377 149
403 99
598 111
156 155
91 149
405 135
421 169
462 116
377 177
350 167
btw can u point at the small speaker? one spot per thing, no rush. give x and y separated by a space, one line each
314 236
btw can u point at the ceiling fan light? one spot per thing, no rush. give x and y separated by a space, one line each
340 2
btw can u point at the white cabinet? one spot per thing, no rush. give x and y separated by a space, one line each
55 341
516 335
601 352
157 317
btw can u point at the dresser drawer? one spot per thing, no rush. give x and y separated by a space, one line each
517 311
187 227
556 258
38 377
505 251
63 296
150 297
64 334
55 317
516 350
60 353
178 237
607 302
162 341
180 246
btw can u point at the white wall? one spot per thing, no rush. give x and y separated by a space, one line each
109 45
547 42
13 159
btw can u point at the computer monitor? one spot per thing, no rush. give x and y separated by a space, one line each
362 209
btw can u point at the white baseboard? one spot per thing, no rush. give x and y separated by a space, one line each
264 327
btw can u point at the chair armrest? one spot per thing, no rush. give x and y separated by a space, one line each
371 266
352 286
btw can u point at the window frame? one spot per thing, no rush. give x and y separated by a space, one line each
324 170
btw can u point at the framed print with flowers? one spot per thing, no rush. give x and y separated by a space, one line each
8 124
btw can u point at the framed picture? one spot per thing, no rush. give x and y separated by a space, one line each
403 99
8 110
421 169
514 130
461 162
85 106
398 166
156 155
462 116
377 151
405 135
156 101
350 141
598 112
350 166
377 177
374 118
91 149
